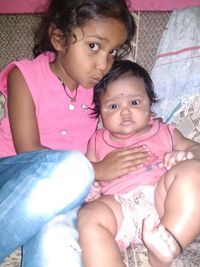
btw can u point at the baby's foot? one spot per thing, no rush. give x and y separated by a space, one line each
162 247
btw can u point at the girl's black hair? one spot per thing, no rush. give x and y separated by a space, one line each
67 14
123 68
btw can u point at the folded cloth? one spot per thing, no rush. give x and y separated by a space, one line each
176 72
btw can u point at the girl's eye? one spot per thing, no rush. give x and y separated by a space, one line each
94 47
113 106
113 52
135 102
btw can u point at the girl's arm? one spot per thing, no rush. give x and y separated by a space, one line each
120 162
116 163
21 112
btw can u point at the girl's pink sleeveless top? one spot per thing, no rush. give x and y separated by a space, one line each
59 127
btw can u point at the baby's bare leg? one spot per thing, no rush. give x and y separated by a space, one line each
177 201
98 223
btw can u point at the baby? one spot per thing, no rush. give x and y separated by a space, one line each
158 203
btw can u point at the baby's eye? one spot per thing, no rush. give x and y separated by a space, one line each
113 106
135 102
94 46
113 52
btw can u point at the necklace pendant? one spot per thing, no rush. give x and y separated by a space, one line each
71 107
73 99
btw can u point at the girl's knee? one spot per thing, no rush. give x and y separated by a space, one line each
62 178
70 165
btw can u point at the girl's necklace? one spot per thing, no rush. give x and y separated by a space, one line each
72 98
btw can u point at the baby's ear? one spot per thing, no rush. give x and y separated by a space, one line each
56 37
154 116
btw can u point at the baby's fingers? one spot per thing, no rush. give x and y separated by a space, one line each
169 160
173 158
190 155
180 156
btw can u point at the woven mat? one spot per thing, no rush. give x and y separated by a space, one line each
135 257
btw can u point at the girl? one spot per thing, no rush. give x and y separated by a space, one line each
48 102
167 191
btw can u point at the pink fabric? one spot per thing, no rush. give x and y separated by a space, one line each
162 5
158 141
32 6
60 128
174 53
23 6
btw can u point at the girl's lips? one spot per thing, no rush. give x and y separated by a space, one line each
96 79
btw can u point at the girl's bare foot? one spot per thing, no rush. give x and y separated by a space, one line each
161 245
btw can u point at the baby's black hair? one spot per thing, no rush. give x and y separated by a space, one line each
67 14
123 68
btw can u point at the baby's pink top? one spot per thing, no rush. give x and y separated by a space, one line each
59 127
158 141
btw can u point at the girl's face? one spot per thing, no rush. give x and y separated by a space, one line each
91 55
125 107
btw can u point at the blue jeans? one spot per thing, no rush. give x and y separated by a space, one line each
40 194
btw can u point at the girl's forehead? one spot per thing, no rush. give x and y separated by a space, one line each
105 29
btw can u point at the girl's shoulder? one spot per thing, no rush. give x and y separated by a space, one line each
34 71
39 61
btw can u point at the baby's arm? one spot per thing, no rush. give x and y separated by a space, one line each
183 149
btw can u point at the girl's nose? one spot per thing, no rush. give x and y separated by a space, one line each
102 63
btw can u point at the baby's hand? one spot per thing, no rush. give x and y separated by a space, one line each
172 158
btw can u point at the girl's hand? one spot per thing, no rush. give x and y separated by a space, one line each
174 157
95 192
120 162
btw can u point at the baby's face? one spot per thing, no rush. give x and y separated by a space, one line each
125 107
